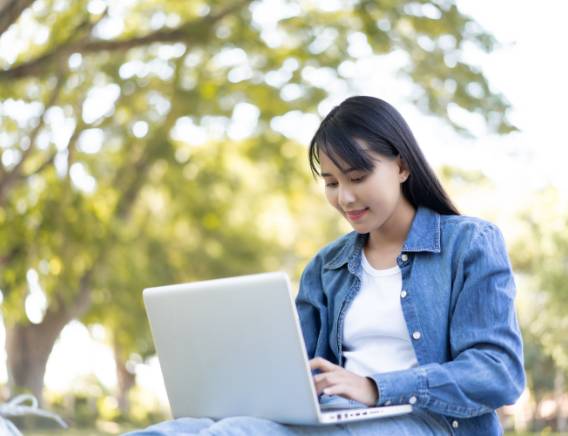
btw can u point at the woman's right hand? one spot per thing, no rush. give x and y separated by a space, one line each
336 380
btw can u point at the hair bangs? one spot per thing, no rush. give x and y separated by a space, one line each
343 150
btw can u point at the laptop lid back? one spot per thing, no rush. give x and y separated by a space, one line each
232 347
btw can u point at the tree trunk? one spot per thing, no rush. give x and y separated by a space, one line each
10 11
559 389
126 380
28 347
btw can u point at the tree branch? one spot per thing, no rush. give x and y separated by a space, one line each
12 254
35 132
140 167
83 300
11 11
41 167
10 177
195 31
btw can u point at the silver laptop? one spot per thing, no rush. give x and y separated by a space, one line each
234 347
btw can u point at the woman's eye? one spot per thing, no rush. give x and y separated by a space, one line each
331 184
358 179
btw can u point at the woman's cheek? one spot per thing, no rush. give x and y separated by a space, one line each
331 198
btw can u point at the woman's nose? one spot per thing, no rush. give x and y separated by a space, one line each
345 196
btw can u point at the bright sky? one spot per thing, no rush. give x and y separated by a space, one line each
531 71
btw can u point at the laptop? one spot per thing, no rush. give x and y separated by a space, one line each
234 347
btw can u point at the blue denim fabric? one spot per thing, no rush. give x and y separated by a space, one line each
418 423
459 309
337 402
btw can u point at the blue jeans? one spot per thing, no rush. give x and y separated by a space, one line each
417 423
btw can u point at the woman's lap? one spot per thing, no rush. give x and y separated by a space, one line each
418 423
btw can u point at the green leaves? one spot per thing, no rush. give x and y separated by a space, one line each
148 103
541 256
432 35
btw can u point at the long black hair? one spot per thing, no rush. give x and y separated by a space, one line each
383 129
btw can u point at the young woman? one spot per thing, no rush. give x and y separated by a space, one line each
416 306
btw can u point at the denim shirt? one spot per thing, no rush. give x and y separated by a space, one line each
457 298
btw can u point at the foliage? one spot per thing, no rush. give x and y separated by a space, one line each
105 184
542 252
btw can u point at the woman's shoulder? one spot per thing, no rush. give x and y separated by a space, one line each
466 222
467 229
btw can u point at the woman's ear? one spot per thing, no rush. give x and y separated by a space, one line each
403 171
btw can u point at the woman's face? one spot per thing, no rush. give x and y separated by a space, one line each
366 199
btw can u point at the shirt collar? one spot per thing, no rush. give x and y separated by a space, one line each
424 236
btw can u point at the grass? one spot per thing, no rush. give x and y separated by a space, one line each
74 432
69 432
116 430
102 429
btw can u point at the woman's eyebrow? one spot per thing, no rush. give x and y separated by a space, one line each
344 172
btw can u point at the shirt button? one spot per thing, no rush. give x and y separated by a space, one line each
404 257
416 335
412 400
388 403
455 424
403 294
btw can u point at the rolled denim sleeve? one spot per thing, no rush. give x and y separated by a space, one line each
311 306
486 367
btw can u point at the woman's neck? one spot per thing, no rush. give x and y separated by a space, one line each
393 233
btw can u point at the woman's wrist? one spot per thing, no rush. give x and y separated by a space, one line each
375 389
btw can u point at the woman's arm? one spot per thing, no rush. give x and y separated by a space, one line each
486 370
311 306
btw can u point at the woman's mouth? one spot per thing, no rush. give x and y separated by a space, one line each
355 215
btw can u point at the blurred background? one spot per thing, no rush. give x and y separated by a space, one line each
148 142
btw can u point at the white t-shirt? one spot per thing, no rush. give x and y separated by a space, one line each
375 336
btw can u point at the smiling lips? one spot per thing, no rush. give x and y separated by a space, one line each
355 215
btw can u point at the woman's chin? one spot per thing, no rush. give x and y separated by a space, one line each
359 227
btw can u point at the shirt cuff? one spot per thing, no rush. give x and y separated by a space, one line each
402 387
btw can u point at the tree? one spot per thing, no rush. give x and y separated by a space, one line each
101 195
541 254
